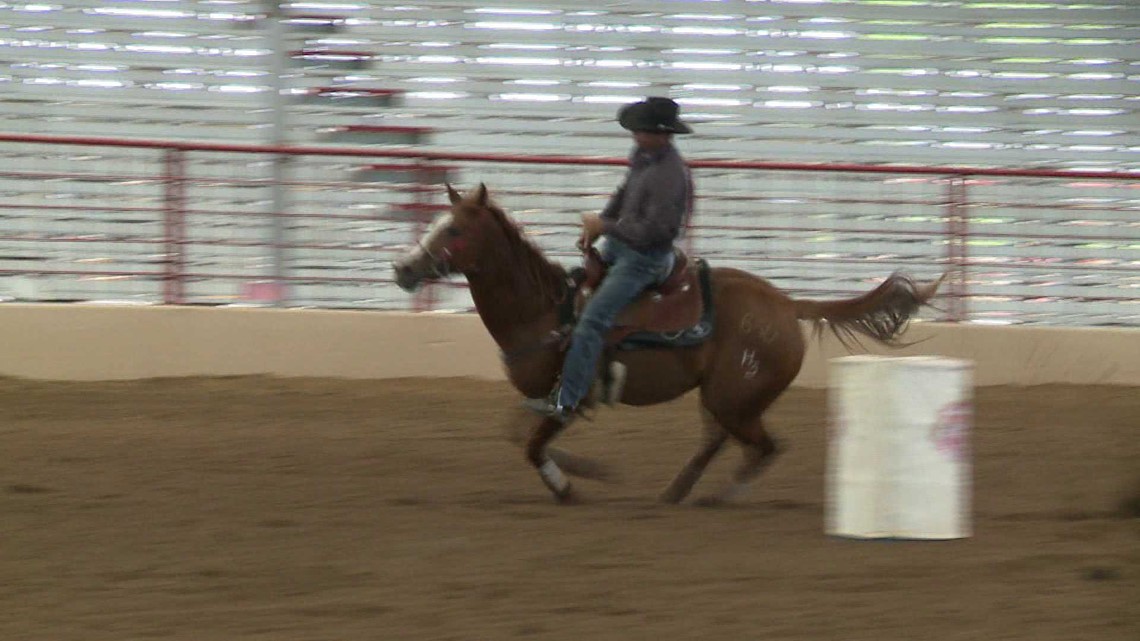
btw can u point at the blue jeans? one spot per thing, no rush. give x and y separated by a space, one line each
630 273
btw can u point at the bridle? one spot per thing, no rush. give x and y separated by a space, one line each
556 337
436 263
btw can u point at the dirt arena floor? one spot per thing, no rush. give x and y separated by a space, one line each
256 508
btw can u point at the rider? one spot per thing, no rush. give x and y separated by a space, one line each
638 225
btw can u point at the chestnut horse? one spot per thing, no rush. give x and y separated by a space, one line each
753 353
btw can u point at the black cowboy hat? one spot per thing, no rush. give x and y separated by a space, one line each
653 114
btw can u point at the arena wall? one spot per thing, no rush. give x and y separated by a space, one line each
89 342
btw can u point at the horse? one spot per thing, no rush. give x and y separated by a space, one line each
753 352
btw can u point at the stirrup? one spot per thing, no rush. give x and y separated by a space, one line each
549 408
544 407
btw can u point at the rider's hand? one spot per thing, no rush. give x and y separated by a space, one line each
591 229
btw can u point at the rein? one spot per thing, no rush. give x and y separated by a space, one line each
560 336
555 337
436 263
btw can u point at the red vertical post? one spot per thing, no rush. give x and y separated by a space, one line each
957 235
174 227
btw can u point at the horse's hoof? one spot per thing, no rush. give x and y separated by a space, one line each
595 471
566 498
671 497
710 501
582 466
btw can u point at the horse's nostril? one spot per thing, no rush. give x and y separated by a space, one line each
405 279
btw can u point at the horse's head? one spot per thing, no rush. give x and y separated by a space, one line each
453 243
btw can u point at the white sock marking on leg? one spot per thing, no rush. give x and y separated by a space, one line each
553 477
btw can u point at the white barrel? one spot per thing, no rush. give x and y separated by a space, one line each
898 447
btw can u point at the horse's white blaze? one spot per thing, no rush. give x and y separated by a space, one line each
431 235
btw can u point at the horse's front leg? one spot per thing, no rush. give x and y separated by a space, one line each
550 472
520 428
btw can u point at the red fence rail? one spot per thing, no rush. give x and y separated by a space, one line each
985 226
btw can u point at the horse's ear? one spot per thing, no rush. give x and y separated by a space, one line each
453 195
481 197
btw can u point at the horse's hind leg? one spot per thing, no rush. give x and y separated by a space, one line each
759 452
714 439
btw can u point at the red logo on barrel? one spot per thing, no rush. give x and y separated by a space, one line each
951 431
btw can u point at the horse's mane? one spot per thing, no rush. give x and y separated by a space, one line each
524 262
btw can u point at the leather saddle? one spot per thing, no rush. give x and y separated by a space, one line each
670 307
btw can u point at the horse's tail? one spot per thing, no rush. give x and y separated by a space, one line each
882 313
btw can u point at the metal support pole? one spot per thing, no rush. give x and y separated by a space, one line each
957 232
278 137
174 227
691 210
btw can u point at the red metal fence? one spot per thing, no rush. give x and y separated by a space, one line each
185 223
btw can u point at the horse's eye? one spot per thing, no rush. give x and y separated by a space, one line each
453 231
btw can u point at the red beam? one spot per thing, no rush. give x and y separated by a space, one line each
363 91
324 17
331 53
554 159
382 129
427 169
